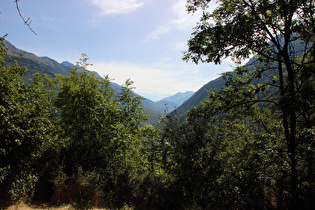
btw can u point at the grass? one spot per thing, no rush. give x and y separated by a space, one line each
20 205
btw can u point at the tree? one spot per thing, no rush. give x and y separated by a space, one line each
189 147
280 33
87 112
26 128
103 134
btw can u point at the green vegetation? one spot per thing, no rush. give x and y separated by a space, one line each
271 30
72 139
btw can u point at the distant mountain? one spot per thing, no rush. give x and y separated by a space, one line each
35 63
168 106
216 84
51 67
67 64
200 95
179 98
70 65
174 101
196 99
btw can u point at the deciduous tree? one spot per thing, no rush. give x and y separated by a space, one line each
279 32
26 127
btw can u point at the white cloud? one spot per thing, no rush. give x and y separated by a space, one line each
48 19
179 46
182 21
116 6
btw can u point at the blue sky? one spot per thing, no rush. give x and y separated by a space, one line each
142 40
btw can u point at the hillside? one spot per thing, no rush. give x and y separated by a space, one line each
199 96
34 63
216 84
45 65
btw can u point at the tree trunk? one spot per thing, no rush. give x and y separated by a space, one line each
288 107
291 138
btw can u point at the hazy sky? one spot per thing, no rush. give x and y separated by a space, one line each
142 40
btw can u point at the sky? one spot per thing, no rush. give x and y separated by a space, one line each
141 40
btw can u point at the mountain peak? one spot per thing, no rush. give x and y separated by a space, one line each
67 64
177 99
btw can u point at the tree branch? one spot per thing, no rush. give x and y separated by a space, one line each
27 21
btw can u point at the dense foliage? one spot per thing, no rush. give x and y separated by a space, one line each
281 35
27 128
72 139
249 145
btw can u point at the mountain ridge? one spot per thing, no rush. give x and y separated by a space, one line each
199 96
46 65
174 101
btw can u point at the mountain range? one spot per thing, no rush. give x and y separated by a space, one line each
46 65
181 102
174 101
